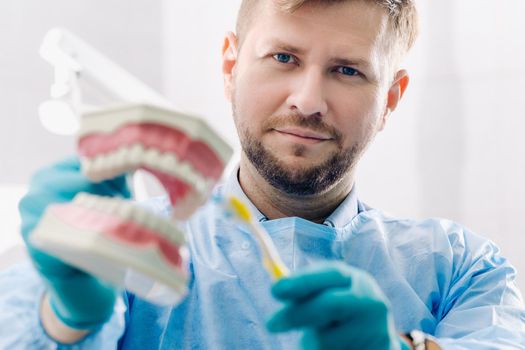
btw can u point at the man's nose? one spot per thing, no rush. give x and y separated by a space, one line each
308 93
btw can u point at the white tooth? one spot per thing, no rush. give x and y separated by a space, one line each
120 164
204 186
171 231
100 203
176 234
135 155
112 206
113 160
139 216
168 232
157 156
208 189
200 185
210 183
115 208
185 171
169 163
98 166
94 202
199 182
86 165
145 160
121 157
153 223
88 201
106 162
117 165
117 162
153 157
163 227
80 198
125 211
191 180
106 166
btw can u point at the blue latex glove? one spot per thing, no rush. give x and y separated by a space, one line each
78 299
338 307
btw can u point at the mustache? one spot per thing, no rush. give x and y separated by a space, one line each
312 123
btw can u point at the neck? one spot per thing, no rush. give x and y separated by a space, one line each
275 204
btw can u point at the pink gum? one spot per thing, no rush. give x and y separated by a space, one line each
157 136
177 189
122 230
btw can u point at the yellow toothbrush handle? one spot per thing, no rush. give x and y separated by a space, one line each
271 260
275 269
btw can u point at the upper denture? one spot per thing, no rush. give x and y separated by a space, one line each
155 136
126 230
182 151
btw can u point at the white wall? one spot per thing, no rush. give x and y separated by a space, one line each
193 38
459 152
10 195
129 32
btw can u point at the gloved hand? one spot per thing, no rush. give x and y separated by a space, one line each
78 299
338 307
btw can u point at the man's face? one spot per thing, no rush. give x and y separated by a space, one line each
309 91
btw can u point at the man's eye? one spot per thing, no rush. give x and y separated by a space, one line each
284 58
347 71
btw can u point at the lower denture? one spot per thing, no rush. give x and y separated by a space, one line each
125 231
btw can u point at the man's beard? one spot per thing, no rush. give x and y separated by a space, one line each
301 181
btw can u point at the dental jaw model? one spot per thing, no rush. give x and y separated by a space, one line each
117 240
181 151
120 243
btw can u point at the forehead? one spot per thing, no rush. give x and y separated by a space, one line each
348 23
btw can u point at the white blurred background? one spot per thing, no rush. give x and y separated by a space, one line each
453 149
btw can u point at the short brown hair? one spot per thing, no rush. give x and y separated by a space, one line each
403 18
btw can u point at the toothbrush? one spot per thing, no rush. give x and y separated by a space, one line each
235 208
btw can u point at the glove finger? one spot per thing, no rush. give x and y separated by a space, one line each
65 182
333 305
312 280
82 300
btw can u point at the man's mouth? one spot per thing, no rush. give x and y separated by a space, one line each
304 134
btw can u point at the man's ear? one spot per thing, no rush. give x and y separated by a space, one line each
395 93
229 59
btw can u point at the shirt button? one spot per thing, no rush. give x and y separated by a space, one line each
245 245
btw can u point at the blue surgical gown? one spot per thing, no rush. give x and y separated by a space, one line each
439 277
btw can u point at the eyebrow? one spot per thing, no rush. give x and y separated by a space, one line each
277 44
280 45
353 62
